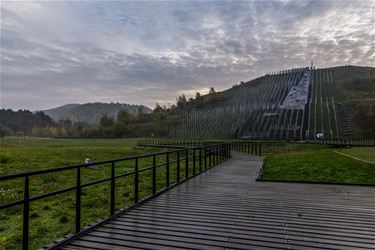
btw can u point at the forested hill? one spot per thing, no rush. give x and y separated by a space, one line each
91 113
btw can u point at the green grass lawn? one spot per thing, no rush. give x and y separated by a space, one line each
53 217
272 148
364 153
321 164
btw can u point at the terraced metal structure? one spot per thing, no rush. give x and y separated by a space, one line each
275 108
297 104
329 113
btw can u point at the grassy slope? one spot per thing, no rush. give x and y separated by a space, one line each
320 165
53 217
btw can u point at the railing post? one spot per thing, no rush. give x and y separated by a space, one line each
214 155
194 161
205 158
26 211
154 174
260 149
221 152
252 148
209 156
167 170
113 188
136 198
178 167
200 160
78 200
220 148
187 163
217 154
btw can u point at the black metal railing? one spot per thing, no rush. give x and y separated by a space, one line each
171 143
248 147
198 158
244 146
343 142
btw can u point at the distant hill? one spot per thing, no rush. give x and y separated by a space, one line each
92 112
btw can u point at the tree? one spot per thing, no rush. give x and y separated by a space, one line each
181 101
106 121
212 91
124 117
140 111
159 109
121 129
198 101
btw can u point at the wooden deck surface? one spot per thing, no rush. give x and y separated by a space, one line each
225 208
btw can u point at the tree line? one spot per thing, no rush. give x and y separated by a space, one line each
159 123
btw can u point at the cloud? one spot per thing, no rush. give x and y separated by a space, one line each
53 53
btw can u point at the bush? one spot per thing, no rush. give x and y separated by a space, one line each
5 131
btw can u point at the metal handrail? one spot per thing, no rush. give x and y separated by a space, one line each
209 155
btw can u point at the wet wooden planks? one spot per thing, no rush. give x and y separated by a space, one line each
225 208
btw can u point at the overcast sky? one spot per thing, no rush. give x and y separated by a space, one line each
54 53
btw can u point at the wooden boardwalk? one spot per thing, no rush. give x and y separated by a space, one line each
225 208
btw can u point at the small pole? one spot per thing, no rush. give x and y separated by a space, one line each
193 161
178 166
200 160
78 200
209 156
154 174
167 170
187 163
26 211
136 198
113 188
205 158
